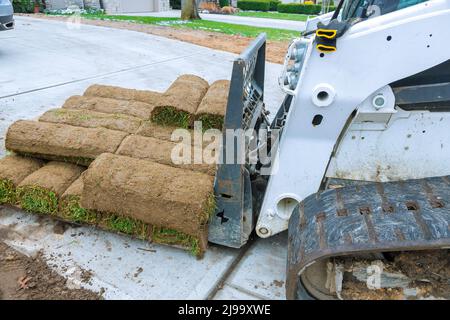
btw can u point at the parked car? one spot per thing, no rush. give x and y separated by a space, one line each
6 15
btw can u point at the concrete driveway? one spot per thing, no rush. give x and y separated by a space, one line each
247 21
43 63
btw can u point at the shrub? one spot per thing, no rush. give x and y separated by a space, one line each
224 3
274 5
24 6
175 4
299 8
255 5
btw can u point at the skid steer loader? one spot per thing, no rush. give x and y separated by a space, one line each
361 155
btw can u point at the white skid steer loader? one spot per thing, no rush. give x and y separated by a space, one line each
367 107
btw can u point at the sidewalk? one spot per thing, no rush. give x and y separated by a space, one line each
248 21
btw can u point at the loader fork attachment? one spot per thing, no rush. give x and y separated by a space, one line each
233 220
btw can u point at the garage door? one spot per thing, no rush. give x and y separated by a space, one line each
131 6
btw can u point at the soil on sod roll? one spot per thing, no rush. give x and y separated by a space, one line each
92 119
70 210
180 102
161 151
40 191
177 201
146 96
213 107
154 130
132 108
61 142
13 170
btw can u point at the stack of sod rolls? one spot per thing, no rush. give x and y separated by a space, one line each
105 159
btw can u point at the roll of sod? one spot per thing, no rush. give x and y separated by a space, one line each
165 152
175 200
180 102
70 210
69 205
154 130
132 108
13 170
61 142
92 119
40 191
213 107
146 96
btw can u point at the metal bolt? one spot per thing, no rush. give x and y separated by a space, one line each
379 102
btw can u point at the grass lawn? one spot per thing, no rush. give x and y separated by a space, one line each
228 28
273 15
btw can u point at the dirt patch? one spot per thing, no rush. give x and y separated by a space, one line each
431 265
213 107
404 275
92 119
40 191
13 169
155 194
355 290
180 102
61 142
24 278
105 105
276 50
160 151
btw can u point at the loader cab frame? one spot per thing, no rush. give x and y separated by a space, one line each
365 9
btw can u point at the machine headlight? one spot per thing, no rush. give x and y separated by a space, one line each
293 65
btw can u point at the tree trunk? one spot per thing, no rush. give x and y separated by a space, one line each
189 10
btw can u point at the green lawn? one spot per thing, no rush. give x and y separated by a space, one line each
273 15
228 28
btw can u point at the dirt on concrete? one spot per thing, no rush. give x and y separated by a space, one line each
160 151
155 194
145 96
24 278
275 50
113 106
212 109
53 141
92 119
